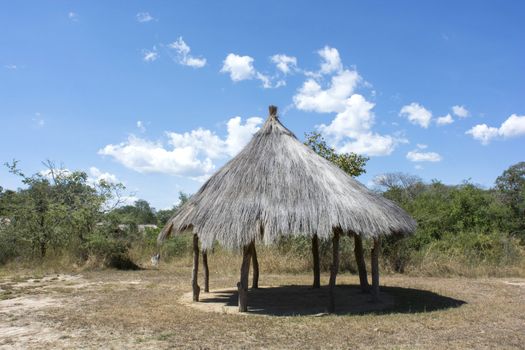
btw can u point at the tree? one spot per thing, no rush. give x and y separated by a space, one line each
137 214
57 208
399 187
351 163
511 187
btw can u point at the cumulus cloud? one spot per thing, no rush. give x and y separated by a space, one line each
312 97
144 17
417 114
183 54
444 120
286 64
190 154
419 156
239 67
356 117
371 144
96 176
460 111
351 128
141 126
483 133
514 126
331 61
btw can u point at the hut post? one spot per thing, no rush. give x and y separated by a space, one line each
242 286
315 254
255 283
375 268
333 269
361 265
195 272
206 271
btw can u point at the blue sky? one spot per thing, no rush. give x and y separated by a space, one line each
159 95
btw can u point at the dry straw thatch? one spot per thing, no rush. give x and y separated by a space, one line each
276 186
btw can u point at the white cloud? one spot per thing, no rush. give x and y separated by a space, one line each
421 146
460 111
371 144
239 67
150 56
514 126
284 63
483 133
144 17
183 54
351 129
11 66
146 157
311 96
96 176
418 156
445 120
417 114
190 154
140 126
72 16
239 135
265 80
331 61
355 118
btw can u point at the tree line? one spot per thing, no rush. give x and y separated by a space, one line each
59 212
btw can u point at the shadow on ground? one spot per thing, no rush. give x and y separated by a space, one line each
303 300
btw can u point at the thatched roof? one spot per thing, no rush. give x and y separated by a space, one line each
277 186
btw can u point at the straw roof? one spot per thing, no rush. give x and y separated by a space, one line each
276 186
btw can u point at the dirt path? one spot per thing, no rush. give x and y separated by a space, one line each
143 309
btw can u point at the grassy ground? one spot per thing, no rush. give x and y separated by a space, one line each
142 309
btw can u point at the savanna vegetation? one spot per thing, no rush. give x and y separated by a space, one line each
63 217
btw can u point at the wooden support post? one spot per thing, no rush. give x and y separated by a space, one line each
206 271
361 265
315 254
242 285
255 283
333 269
195 272
375 268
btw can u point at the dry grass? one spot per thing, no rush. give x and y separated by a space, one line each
141 309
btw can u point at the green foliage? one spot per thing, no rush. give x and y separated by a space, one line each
351 163
58 210
511 188
462 221
62 212
137 214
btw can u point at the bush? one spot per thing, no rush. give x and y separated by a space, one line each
111 251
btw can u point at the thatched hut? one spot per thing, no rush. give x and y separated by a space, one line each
276 186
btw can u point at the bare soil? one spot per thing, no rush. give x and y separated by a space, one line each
152 309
